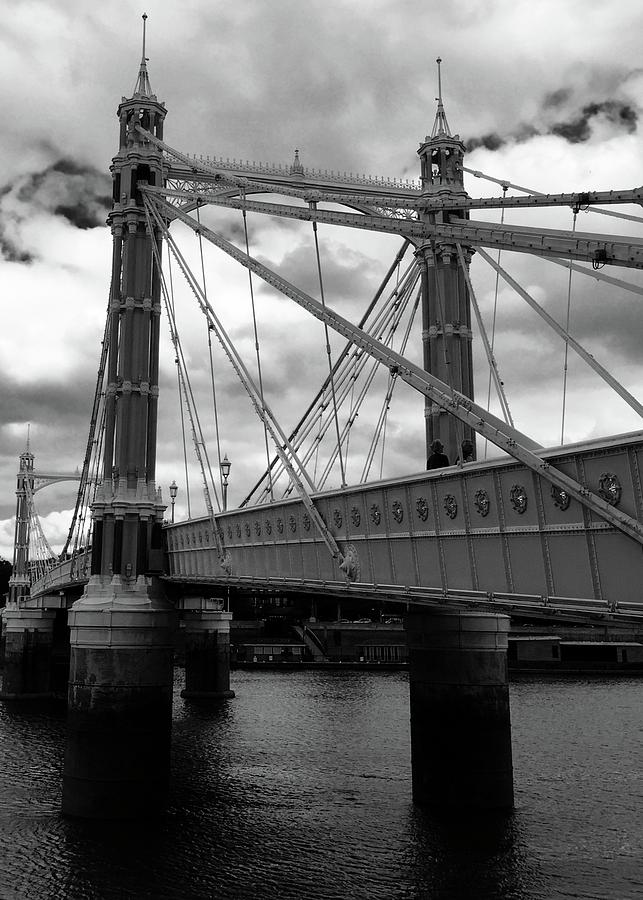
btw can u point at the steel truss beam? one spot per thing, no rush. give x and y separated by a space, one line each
541 242
484 423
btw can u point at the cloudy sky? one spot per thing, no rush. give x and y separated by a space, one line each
548 95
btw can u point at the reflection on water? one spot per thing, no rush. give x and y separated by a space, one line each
300 788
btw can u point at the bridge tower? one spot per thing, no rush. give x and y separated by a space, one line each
29 632
122 629
446 306
19 582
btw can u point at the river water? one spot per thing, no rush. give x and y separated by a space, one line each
300 788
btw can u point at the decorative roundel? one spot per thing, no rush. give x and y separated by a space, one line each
247 528
609 487
337 518
257 529
397 510
355 516
518 497
268 526
292 523
280 526
219 532
422 508
482 503
560 497
200 538
305 521
451 506
229 533
238 530
376 515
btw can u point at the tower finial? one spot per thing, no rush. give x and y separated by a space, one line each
440 126
143 85
28 435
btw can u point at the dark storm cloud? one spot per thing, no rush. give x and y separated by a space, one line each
621 115
77 192
576 128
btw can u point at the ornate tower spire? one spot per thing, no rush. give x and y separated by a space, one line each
440 126
446 316
143 88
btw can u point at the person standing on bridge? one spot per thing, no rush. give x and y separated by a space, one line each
438 458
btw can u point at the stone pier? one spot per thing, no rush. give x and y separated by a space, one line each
117 759
207 649
28 653
460 722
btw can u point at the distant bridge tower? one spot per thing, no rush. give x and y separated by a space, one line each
20 581
122 629
446 307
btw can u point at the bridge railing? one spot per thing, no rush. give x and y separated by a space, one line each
73 570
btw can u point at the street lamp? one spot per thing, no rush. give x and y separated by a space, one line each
174 489
225 465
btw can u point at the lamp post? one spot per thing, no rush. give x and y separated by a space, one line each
225 465
174 489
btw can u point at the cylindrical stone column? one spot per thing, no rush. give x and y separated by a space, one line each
460 722
207 649
29 635
117 759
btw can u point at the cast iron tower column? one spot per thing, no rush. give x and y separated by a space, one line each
446 306
122 629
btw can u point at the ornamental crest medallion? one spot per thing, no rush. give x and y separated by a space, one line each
450 506
337 518
268 526
518 497
609 487
292 523
422 508
280 526
238 530
355 517
247 528
560 497
229 533
305 520
398 511
376 515
482 503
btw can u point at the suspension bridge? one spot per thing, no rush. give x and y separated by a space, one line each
536 531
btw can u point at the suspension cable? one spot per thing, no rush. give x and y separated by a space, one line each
492 345
169 302
214 393
290 457
384 410
259 373
348 347
239 366
589 359
330 359
387 318
384 316
569 304
493 367
398 311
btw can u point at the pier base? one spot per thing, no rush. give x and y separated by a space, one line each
28 654
117 759
207 649
460 722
